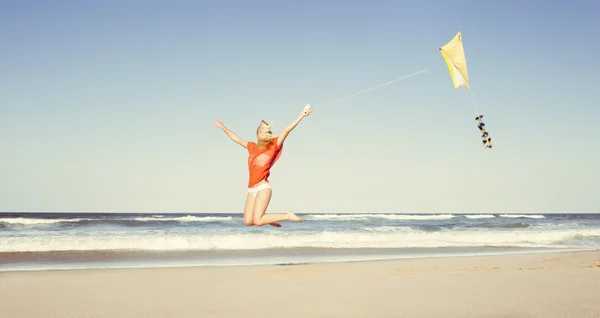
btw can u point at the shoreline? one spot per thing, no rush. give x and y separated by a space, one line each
99 260
82 260
557 284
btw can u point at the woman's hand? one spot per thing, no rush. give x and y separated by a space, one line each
218 123
307 110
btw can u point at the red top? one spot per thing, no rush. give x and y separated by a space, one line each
260 161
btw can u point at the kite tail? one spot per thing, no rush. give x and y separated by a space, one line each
486 138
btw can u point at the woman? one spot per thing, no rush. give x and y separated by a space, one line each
262 156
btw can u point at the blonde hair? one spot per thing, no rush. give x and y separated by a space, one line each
264 134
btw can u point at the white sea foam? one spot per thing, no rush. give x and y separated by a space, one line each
28 221
345 217
556 226
188 218
480 216
387 229
388 237
526 216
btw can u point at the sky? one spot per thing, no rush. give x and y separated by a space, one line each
108 106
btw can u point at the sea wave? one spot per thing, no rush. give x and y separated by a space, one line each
525 216
380 237
112 221
365 216
480 216
30 221
188 218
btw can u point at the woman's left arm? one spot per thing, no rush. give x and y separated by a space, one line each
305 112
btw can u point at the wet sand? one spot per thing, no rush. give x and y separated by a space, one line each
529 285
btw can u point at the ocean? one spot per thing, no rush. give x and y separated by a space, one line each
51 241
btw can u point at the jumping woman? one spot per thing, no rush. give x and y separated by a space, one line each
262 155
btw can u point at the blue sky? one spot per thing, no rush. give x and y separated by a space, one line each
108 105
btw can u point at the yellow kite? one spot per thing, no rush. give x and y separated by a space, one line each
454 54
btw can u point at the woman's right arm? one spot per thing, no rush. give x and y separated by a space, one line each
231 134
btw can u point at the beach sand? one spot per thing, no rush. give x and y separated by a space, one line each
529 285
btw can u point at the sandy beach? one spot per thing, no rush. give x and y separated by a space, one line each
529 285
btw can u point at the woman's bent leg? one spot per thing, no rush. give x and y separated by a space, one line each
248 210
261 202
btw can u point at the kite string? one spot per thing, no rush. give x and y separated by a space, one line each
475 107
474 104
383 84
372 88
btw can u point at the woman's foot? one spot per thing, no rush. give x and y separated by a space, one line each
291 216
